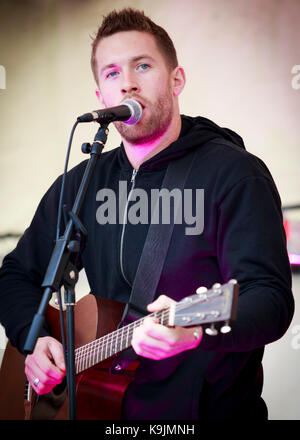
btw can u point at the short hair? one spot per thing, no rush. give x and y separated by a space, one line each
129 19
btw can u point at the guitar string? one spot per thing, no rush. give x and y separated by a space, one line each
88 351
97 347
112 336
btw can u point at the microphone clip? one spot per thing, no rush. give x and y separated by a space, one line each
99 141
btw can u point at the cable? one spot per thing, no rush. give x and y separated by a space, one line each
59 216
62 188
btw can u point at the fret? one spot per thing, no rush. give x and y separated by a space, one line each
114 343
79 364
121 339
91 355
86 362
80 360
83 360
96 354
127 336
77 361
106 351
108 345
111 346
101 353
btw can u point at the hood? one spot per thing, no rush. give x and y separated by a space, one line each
195 132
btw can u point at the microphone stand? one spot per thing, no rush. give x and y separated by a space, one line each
63 270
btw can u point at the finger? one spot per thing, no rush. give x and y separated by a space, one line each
56 351
149 354
160 332
47 360
32 372
41 365
156 338
160 303
149 348
143 341
40 387
44 382
148 342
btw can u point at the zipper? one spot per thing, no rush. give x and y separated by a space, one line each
132 181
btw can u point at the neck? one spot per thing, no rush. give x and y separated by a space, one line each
139 153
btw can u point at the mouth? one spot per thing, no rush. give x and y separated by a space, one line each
139 101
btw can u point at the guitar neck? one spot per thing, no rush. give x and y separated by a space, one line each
101 349
215 305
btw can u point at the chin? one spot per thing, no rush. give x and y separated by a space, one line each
138 136
143 132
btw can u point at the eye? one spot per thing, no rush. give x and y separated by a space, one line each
143 67
112 74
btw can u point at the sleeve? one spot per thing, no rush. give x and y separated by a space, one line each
23 270
251 247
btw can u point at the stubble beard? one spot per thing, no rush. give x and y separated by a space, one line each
153 126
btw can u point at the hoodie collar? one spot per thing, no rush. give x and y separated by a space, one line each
195 132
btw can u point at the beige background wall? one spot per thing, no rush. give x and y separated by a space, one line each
239 57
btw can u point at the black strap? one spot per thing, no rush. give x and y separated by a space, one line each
156 245
153 258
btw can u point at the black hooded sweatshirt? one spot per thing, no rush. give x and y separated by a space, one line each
242 238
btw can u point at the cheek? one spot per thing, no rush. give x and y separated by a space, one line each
110 95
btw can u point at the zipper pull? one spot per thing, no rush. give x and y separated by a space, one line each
134 173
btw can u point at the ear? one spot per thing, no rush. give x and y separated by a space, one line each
178 79
99 96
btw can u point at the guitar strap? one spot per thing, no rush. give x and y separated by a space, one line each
154 251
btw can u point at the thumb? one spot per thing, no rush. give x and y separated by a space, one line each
56 350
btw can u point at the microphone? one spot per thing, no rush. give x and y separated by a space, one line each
130 112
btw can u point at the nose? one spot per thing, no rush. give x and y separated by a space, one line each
130 83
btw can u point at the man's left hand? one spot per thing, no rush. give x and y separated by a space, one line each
155 341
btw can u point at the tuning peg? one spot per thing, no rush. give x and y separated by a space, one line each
226 327
217 288
201 290
232 281
211 331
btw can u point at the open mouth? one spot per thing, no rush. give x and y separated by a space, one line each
140 102
142 105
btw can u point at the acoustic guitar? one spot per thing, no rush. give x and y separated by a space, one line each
100 381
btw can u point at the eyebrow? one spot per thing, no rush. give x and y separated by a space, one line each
132 60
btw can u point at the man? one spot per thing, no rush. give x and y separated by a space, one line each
183 373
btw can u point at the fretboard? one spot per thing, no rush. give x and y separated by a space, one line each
100 349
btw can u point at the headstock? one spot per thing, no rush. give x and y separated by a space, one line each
217 304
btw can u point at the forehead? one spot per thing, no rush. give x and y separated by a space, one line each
123 46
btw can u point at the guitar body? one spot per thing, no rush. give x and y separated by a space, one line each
99 394
12 385
100 389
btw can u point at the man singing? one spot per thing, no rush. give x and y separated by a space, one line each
184 373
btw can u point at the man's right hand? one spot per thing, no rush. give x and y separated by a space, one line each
45 367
